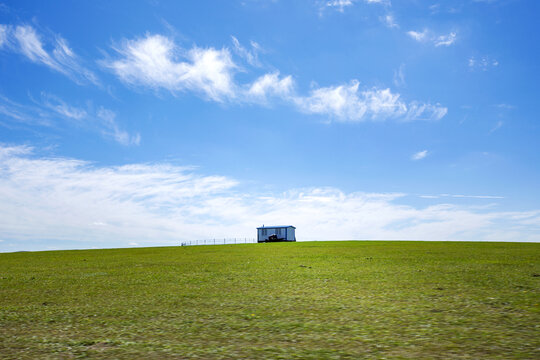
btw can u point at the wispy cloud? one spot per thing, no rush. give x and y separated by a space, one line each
251 55
418 35
349 103
399 76
24 39
3 35
23 114
151 204
427 36
445 40
60 107
341 5
390 21
345 102
419 155
271 85
50 110
111 128
461 196
482 63
497 126
505 106
155 61
103 120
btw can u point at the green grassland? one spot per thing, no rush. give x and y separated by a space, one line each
284 300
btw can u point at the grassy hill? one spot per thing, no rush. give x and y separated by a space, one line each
284 300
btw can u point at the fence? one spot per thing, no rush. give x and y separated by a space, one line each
216 241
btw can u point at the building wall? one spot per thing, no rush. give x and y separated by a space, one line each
291 236
286 233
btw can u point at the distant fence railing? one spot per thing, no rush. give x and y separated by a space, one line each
219 241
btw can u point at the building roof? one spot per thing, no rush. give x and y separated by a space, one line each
276 226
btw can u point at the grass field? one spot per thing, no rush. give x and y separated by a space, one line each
283 300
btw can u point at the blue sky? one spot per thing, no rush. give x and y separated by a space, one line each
153 122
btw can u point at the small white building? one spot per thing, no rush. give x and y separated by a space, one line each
276 233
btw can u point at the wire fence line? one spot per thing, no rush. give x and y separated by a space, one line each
219 241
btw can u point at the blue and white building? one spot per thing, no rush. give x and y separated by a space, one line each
276 233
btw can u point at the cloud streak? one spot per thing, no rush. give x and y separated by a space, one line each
390 21
251 56
419 155
482 63
497 126
427 36
340 5
50 111
111 128
83 204
25 40
156 62
461 196
349 103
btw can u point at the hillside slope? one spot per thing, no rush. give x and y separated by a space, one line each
286 300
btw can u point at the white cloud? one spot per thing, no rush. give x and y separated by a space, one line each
505 106
111 128
482 63
3 35
399 76
154 204
427 36
60 107
270 85
435 8
419 155
474 196
348 103
422 111
461 196
390 21
103 120
25 40
340 5
251 56
497 126
50 110
70 63
31 46
155 61
445 40
23 114
418 36
341 101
